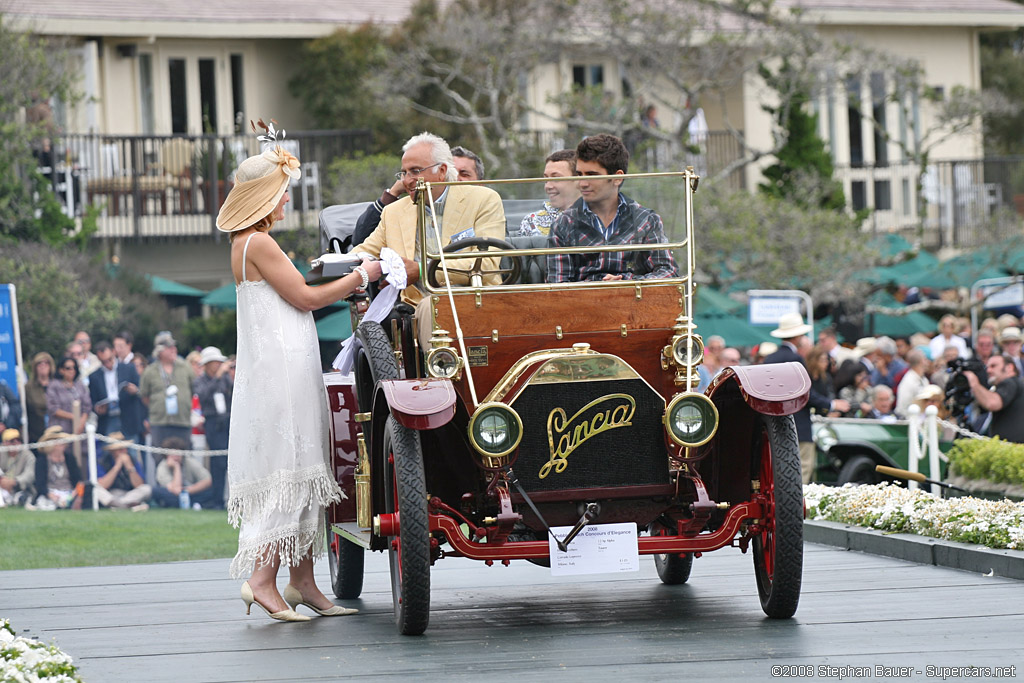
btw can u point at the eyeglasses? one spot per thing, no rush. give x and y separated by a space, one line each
415 172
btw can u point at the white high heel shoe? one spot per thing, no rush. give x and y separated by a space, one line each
294 598
284 615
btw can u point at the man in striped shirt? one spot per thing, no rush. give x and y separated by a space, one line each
604 216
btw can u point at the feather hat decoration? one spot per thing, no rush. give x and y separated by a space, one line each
270 134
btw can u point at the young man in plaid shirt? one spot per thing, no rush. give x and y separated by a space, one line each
602 216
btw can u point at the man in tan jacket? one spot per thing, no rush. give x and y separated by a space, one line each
463 211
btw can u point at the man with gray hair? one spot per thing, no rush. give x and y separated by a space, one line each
460 211
888 365
469 166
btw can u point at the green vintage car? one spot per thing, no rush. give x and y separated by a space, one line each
849 448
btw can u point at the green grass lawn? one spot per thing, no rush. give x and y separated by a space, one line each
31 539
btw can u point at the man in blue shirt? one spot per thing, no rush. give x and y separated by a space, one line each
603 216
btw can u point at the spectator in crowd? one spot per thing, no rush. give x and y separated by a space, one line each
119 476
193 362
828 340
470 167
915 379
61 395
790 331
17 469
10 408
649 118
123 342
214 387
940 368
114 392
984 345
819 364
1010 340
166 389
178 474
764 349
903 346
858 394
881 405
604 216
947 337
888 365
88 363
140 362
40 375
1007 320
729 357
713 348
57 473
992 326
561 194
1005 400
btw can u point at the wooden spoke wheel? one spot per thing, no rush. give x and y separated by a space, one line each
779 547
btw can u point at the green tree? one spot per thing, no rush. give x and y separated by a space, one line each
63 290
803 156
1002 71
35 72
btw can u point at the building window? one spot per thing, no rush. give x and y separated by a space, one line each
146 93
588 75
858 195
237 94
906 196
854 121
878 113
883 195
179 99
208 94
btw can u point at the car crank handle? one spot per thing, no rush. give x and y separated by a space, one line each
914 476
515 482
591 513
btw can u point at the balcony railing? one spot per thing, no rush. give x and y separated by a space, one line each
151 187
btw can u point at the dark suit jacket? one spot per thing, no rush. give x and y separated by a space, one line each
802 417
132 411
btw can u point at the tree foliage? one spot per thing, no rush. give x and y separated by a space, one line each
35 71
62 290
1002 72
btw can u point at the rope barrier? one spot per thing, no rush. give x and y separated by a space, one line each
156 450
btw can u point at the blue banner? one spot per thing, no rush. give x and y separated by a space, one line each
8 348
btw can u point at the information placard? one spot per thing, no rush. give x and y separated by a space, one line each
598 549
8 342
768 310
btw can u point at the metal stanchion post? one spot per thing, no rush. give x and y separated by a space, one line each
90 444
913 441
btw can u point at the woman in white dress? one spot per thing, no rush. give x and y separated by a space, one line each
278 469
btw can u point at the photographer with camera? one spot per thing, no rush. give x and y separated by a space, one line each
1005 400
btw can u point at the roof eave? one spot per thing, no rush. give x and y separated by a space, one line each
849 17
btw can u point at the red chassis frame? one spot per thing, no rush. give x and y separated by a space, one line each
772 390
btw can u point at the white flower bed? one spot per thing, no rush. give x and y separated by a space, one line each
996 524
23 660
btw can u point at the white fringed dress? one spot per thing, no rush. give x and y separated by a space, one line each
278 459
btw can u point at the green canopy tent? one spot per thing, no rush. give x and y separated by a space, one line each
710 301
736 331
224 297
165 287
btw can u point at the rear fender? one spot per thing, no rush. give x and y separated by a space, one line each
776 389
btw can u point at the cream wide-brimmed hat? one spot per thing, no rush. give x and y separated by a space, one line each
865 345
118 442
1010 334
791 325
260 182
211 354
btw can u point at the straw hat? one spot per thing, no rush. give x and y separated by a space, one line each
1010 334
930 392
865 345
765 349
10 434
118 442
260 182
211 354
52 434
163 340
791 325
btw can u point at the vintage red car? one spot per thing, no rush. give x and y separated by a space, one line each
539 407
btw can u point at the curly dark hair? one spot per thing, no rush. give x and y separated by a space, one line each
607 150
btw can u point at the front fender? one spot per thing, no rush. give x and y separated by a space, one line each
420 403
776 389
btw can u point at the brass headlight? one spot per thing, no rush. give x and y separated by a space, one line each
691 419
688 350
443 362
495 430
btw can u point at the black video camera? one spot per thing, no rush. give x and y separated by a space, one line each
958 389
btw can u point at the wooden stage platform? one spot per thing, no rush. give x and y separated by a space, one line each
184 622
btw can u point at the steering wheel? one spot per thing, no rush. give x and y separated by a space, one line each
509 276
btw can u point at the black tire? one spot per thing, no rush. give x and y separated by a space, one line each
672 569
374 361
779 548
409 553
860 469
346 561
